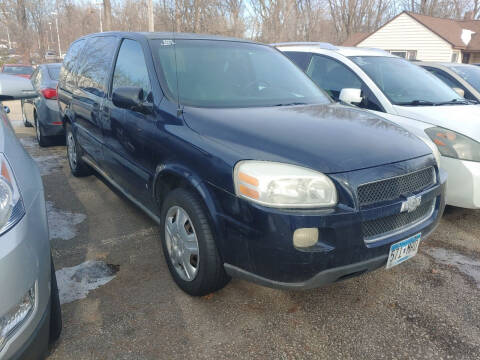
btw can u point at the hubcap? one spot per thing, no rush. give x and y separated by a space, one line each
72 150
182 243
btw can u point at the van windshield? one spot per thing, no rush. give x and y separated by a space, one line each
214 73
404 83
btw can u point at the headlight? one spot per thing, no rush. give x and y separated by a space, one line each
11 205
283 185
454 145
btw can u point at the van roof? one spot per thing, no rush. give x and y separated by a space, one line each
168 35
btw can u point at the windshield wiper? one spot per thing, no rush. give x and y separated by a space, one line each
291 104
417 103
456 102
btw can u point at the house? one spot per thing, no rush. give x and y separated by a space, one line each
426 38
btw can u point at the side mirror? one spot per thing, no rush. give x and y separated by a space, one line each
351 96
15 88
459 91
6 109
131 98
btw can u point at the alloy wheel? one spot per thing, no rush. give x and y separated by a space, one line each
72 150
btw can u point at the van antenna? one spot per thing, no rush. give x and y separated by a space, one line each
179 109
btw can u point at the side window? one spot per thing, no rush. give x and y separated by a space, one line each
301 59
131 68
450 81
95 64
67 74
333 76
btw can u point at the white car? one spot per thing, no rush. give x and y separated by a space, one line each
405 94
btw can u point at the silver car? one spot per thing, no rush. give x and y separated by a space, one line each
30 316
42 110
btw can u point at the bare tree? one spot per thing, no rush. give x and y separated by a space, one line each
107 14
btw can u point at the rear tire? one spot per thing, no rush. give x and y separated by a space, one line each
43 140
206 268
55 309
74 154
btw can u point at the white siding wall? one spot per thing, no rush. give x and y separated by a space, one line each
405 33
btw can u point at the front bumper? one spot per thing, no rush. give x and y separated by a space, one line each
463 187
256 242
24 262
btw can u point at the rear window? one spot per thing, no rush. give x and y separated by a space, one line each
54 72
18 70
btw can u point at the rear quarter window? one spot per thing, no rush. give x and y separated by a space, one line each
301 59
96 64
67 73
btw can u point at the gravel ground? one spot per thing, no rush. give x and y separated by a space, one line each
119 301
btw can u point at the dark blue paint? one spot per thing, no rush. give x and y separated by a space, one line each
202 146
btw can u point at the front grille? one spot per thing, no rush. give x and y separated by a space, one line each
373 230
393 188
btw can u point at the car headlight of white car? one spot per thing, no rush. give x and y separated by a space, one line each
454 145
11 204
283 185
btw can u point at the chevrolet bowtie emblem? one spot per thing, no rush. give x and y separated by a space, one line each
411 204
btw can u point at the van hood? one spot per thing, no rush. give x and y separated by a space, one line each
464 119
328 138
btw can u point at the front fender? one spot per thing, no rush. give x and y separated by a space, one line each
194 181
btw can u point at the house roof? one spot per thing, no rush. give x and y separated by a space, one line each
449 30
355 38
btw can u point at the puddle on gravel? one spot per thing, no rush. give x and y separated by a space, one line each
74 283
466 265
62 224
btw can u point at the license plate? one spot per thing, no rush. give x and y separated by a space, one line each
403 250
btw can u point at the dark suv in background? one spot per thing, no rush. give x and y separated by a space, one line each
247 166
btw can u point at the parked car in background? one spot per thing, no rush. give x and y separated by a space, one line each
463 78
18 70
42 111
247 166
407 95
30 316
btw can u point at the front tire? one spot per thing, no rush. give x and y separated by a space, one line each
77 166
24 119
189 245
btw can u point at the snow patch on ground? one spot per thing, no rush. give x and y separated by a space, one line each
48 164
464 264
28 142
74 283
62 223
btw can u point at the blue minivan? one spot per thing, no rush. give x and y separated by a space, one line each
249 168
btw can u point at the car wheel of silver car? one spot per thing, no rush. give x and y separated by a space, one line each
24 119
189 245
77 165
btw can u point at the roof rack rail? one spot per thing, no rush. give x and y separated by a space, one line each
322 45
